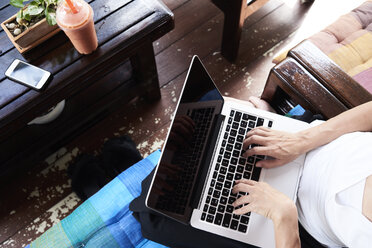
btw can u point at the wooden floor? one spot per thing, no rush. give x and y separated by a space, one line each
36 201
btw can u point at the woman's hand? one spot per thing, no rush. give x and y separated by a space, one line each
263 199
282 147
271 203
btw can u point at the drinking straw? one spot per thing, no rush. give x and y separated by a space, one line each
71 5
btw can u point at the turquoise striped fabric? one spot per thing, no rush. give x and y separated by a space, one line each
104 220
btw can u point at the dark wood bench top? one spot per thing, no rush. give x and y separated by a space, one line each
122 28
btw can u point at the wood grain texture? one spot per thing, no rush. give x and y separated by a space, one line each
206 40
43 194
125 29
274 29
235 12
234 15
110 32
330 75
147 123
315 82
303 88
329 80
189 17
81 111
174 4
60 57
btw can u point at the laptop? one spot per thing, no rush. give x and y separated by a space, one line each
202 157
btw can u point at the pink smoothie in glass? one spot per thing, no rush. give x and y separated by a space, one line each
79 27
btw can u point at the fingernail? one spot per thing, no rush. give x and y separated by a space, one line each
258 165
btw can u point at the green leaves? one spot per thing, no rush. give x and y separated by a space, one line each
17 3
51 2
50 15
36 9
20 14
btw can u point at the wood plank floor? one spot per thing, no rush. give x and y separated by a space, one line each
37 200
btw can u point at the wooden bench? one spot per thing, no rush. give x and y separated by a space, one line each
122 68
309 78
236 11
328 72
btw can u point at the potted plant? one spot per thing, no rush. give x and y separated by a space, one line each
34 23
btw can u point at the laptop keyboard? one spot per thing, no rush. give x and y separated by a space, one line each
231 166
188 159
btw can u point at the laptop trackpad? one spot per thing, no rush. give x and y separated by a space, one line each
285 178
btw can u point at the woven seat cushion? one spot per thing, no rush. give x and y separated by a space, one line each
348 42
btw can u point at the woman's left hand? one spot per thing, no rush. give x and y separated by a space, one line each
283 147
264 200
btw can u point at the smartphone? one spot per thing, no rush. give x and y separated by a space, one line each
28 74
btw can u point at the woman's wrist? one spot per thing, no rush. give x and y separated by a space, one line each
313 137
286 228
287 214
306 141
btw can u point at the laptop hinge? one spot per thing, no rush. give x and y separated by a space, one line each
206 162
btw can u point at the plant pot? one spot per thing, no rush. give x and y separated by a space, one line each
31 37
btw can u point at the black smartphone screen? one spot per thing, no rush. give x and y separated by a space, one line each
27 74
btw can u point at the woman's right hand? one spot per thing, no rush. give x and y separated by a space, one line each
264 200
282 147
273 204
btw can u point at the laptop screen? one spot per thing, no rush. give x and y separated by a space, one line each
182 155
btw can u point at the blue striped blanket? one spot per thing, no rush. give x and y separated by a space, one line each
104 220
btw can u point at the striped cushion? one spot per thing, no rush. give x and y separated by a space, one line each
348 42
104 220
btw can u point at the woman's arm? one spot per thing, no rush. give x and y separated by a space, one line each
285 147
286 230
356 119
271 203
